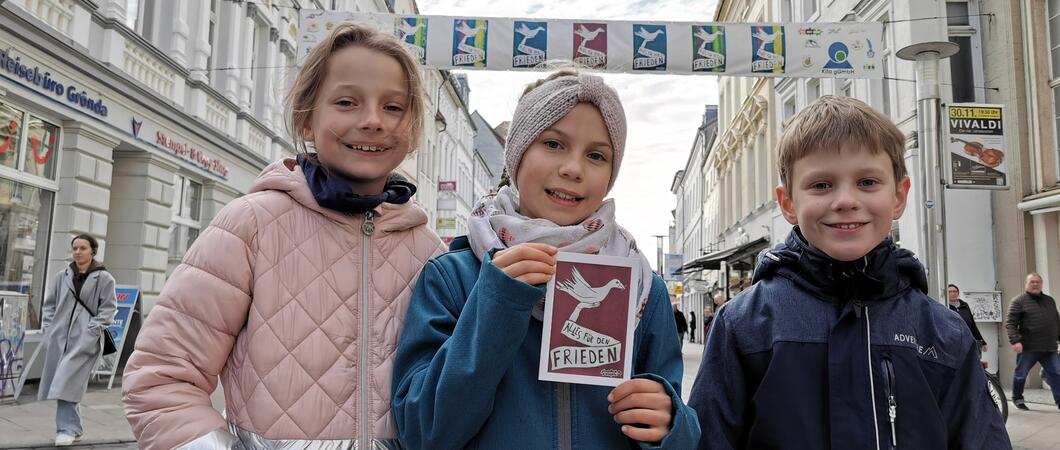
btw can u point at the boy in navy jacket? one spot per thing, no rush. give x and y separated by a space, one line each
837 345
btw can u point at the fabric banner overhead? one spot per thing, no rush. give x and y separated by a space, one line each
811 50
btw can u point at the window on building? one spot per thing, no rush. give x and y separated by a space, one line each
41 148
809 8
1054 75
11 126
138 17
962 72
211 59
25 223
789 112
957 13
847 89
28 143
186 211
813 90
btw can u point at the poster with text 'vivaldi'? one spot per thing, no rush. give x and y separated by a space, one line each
587 335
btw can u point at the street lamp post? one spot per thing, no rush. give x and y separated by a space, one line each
659 253
932 231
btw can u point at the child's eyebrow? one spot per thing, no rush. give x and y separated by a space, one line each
358 86
563 135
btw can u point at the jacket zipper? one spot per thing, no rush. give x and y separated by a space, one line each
891 393
367 228
563 416
872 383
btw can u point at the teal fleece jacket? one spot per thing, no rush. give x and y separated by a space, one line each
465 373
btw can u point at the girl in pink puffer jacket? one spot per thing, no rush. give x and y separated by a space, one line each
295 294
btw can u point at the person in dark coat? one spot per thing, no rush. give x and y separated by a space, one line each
962 309
72 333
1033 327
691 326
682 325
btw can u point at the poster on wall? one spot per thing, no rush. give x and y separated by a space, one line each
588 323
975 146
985 306
672 263
107 365
814 50
13 307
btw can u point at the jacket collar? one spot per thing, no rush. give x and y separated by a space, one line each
287 176
886 271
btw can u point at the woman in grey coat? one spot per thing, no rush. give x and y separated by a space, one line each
72 333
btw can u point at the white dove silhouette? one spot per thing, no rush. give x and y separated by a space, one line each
527 32
708 38
587 296
467 31
586 34
765 37
406 29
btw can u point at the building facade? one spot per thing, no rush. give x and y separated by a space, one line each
1022 44
689 234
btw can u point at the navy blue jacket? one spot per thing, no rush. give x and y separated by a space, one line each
822 354
466 368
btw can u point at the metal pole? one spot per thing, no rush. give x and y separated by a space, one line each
932 231
659 254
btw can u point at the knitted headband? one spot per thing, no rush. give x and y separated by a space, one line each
546 104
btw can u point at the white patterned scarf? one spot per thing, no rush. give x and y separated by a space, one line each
495 222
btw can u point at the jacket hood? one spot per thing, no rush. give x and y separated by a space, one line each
883 273
94 266
286 176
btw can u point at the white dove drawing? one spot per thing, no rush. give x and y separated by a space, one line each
648 36
587 35
527 32
467 31
708 38
406 29
765 37
586 295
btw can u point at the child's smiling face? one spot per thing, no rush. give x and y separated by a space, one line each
844 201
356 124
565 172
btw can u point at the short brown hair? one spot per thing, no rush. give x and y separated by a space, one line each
832 121
303 94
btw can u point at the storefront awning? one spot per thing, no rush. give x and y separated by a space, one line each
740 256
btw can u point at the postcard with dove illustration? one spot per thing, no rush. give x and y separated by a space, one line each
589 320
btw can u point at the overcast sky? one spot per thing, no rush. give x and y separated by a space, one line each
662 111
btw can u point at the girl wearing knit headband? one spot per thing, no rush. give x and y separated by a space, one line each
465 374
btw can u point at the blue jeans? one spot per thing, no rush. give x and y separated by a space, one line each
67 418
1050 362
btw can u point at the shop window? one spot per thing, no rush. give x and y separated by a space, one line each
28 143
10 135
187 205
25 223
41 148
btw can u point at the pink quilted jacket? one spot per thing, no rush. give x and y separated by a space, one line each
271 298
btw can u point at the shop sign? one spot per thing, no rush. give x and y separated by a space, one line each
446 186
446 223
43 81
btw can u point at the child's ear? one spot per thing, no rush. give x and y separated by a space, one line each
901 195
307 133
787 205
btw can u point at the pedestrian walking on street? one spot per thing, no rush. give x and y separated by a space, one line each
295 293
691 326
962 309
682 325
78 307
1033 326
466 371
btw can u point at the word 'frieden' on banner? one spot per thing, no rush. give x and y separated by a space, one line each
811 50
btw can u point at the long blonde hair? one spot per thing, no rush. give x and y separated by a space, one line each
300 100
